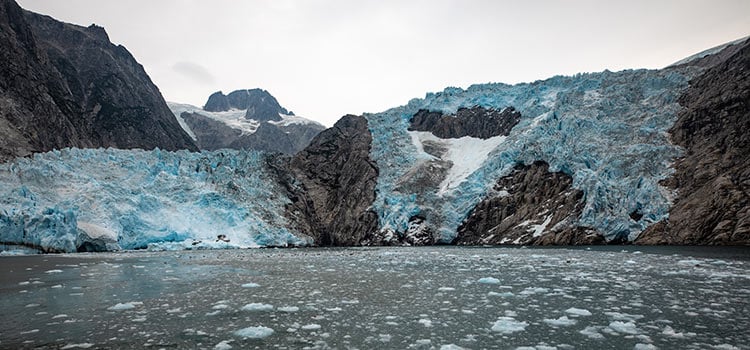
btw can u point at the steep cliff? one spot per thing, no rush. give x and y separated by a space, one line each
712 179
68 86
333 185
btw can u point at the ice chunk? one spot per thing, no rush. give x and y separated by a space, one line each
624 327
508 325
288 309
578 312
257 332
311 327
257 307
562 321
250 285
77 346
125 306
223 345
489 280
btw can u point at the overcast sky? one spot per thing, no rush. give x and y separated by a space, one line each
326 58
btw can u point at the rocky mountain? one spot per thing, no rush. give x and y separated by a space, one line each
63 85
637 156
246 119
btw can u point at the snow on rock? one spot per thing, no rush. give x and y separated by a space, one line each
258 332
508 325
75 199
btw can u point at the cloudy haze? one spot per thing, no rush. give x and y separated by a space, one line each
323 59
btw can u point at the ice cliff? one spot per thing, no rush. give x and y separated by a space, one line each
98 199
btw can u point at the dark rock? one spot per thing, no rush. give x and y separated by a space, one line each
475 122
528 197
713 178
260 104
63 85
217 102
332 185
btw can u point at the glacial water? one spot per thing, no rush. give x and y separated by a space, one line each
380 298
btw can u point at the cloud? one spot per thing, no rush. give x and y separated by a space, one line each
194 71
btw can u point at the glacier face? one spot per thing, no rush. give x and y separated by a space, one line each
607 130
133 199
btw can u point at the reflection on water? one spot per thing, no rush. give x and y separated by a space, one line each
398 298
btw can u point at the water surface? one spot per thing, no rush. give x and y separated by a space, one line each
385 298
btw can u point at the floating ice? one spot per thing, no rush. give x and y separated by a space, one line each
223 345
258 332
624 327
257 307
562 321
250 285
125 306
288 309
489 280
578 312
508 325
77 346
311 327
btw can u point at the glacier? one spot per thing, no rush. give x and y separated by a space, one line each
132 199
607 130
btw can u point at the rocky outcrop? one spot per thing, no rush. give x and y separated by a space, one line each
331 184
529 206
475 122
63 85
260 104
712 180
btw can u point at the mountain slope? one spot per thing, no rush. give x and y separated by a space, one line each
712 180
67 86
246 119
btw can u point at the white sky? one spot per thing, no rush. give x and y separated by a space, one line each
326 58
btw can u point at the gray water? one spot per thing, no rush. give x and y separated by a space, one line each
380 298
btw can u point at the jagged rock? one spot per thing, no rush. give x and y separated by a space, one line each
475 122
332 185
529 206
63 85
260 104
712 180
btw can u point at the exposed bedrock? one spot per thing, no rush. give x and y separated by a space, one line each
529 206
476 121
712 180
332 185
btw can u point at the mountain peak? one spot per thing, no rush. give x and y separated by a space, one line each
259 104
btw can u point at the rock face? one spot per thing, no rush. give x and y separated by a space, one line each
332 185
260 105
529 206
475 122
712 180
63 85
